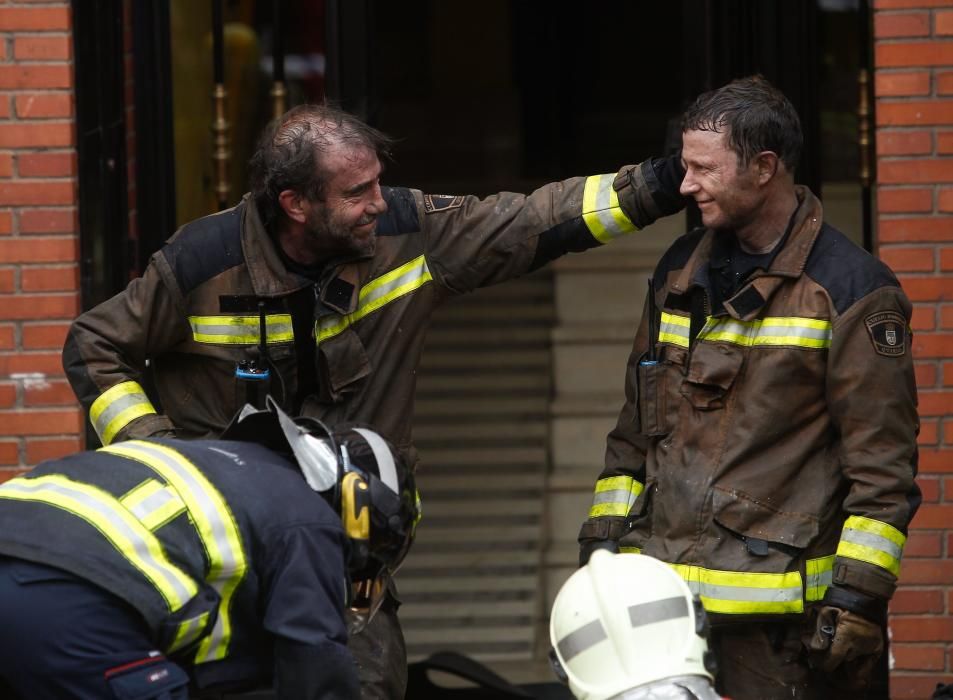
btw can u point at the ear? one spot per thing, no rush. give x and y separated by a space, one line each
768 164
294 205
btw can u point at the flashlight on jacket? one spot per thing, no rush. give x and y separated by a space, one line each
254 373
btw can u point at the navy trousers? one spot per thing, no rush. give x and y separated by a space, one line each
63 637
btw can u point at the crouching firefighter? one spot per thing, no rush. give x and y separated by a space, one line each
152 568
626 627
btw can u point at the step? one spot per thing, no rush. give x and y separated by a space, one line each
449 456
446 336
411 612
504 314
486 534
456 636
468 560
492 359
533 431
456 482
493 407
480 508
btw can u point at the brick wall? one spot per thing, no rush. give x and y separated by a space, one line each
914 107
39 277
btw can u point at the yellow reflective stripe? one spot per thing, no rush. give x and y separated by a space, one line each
126 534
674 329
773 331
116 408
601 211
215 524
153 503
872 541
379 292
743 592
614 495
820 575
241 330
189 631
630 550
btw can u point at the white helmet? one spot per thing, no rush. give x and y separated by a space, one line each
624 621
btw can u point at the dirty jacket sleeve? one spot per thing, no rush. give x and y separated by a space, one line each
873 405
622 480
473 242
105 357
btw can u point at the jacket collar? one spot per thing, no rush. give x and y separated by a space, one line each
788 263
339 287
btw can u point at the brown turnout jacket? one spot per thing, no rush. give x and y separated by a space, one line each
345 348
770 450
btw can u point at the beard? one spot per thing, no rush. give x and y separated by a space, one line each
334 238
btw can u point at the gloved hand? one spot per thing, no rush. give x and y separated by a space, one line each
664 177
846 644
587 548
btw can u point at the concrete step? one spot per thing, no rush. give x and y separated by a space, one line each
480 508
521 314
493 408
457 635
429 435
416 586
511 336
448 457
455 482
493 360
411 613
417 561
489 534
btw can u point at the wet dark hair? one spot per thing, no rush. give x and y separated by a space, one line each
291 149
756 115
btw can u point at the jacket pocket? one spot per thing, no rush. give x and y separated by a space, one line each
152 678
343 363
711 372
756 522
659 383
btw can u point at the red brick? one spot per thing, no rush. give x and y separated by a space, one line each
6 336
948 373
918 657
40 422
8 395
930 488
36 135
7 280
922 229
946 315
54 393
49 279
946 259
34 19
913 172
943 23
930 516
948 430
926 373
39 192
901 84
944 82
61 164
44 106
49 221
932 345
929 432
44 336
936 461
892 25
903 200
922 544
921 629
925 289
34 76
895 142
935 403
945 200
37 306
9 452
924 317
944 142
907 54
909 259
41 449
7 474
50 48
6 165
947 489
6 222
45 363
915 112
39 250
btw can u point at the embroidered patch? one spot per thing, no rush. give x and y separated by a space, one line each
441 202
888 331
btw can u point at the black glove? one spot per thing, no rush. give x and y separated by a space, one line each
587 548
664 177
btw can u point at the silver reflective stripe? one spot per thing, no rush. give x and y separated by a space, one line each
617 496
156 507
135 545
581 639
382 455
745 593
221 539
869 539
658 611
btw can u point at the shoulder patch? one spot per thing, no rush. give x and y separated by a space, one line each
888 332
441 202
